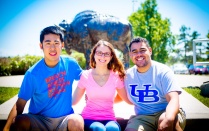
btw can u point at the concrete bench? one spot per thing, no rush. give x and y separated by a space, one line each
197 114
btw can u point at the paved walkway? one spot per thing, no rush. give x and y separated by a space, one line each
11 81
194 109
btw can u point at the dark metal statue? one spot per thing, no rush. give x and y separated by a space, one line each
88 27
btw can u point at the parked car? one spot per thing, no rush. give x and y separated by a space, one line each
191 69
180 69
199 69
205 69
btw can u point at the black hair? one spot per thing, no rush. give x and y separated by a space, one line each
52 30
138 40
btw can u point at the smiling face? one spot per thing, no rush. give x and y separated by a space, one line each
140 54
102 55
52 47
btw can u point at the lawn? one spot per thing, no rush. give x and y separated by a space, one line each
7 93
195 92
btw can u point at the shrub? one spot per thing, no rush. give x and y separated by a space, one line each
17 65
80 58
5 68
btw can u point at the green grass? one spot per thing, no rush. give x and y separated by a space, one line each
7 93
195 92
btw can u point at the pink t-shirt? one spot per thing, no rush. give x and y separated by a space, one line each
99 105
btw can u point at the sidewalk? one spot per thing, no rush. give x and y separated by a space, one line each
194 109
11 81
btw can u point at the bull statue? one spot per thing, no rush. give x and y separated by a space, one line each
88 27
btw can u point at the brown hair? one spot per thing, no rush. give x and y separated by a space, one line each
115 64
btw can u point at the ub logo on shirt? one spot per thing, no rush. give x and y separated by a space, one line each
144 95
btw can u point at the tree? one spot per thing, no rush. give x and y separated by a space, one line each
147 23
186 39
194 35
207 47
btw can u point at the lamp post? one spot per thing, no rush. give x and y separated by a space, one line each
133 1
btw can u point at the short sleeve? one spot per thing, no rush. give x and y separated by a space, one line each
119 82
83 79
27 88
77 69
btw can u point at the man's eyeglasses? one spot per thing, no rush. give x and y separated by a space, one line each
100 53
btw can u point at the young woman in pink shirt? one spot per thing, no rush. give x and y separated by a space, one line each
100 83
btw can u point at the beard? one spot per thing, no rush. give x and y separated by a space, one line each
141 64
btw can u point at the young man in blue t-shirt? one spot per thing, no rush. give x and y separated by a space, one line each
48 86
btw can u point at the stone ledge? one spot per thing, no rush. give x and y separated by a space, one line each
191 124
197 114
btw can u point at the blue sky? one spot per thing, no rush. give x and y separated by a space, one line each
22 20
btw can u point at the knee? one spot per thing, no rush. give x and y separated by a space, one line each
22 122
75 123
179 125
112 126
97 126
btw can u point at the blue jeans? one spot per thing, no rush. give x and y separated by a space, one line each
98 125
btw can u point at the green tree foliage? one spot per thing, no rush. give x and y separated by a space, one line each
186 39
147 22
183 38
207 52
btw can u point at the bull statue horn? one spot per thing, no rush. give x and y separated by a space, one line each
60 27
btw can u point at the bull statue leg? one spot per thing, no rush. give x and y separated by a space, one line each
126 58
87 56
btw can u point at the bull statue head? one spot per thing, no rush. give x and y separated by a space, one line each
88 27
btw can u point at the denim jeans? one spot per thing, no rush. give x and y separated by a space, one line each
101 125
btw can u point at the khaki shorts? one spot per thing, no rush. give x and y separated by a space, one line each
41 123
150 122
